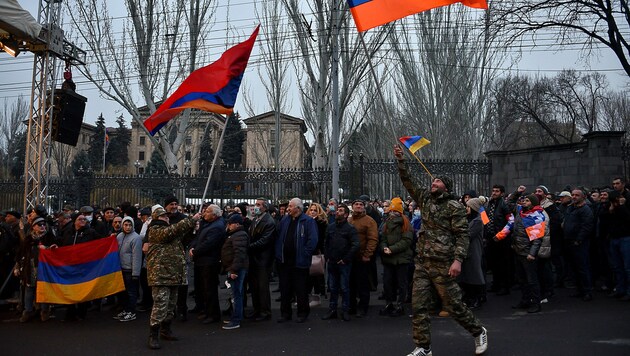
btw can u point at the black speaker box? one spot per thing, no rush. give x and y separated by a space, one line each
67 116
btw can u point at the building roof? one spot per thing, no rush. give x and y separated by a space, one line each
283 117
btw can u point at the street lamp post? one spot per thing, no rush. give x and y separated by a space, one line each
187 167
137 165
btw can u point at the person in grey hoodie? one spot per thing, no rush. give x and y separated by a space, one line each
130 252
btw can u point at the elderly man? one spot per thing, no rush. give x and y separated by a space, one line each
262 233
166 267
578 227
442 246
206 254
297 239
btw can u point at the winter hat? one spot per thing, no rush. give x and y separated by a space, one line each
448 182
37 221
145 211
365 198
157 212
16 214
170 199
534 199
564 193
396 205
235 219
155 207
476 203
130 219
86 209
543 188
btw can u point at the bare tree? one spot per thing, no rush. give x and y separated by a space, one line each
12 117
313 40
150 56
587 23
445 61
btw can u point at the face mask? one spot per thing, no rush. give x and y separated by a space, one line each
88 218
416 213
257 210
331 207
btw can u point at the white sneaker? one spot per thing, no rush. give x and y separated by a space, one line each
315 301
544 301
419 351
129 316
119 315
481 342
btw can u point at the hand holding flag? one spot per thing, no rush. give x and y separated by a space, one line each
413 144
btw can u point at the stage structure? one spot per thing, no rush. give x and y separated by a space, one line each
19 32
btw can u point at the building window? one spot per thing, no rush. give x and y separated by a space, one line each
188 140
188 156
143 140
140 155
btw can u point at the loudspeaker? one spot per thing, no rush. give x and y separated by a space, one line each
67 116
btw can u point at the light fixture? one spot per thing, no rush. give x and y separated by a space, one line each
10 45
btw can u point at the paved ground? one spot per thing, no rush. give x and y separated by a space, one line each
566 326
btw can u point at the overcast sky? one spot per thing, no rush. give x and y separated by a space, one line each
16 73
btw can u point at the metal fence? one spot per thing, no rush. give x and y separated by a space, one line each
625 155
378 179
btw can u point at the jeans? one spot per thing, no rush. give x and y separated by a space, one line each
620 263
29 299
238 295
339 280
527 274
130 295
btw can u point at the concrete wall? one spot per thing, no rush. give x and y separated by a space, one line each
590 163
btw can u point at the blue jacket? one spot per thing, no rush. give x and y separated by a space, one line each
306 239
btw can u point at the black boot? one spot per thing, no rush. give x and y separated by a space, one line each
154 337
387 309
166 333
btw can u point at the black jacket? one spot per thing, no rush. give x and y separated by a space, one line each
578 223
207 245
342 242
72 236
234 252
500 217
262 232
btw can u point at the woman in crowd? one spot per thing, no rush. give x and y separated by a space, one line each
472 278
395 249
317 284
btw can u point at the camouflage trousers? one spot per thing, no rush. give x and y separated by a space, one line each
164 301
431 281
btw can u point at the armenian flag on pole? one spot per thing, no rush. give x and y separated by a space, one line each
212 88
414 143
79 273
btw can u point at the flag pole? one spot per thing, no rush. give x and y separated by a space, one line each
378 89
423 166
104 149
214 162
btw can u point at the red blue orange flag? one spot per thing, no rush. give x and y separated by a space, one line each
484 216
212 88
79 273
372 13
414 143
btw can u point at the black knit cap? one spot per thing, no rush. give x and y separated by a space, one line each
170 199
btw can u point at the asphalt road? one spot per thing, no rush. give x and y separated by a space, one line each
566 326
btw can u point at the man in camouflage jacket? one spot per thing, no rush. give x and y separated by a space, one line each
166 270
442 246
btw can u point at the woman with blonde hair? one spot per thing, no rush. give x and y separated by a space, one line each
317 284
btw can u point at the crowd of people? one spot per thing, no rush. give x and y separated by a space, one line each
434 247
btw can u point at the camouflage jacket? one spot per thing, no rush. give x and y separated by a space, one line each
166 262
444 232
